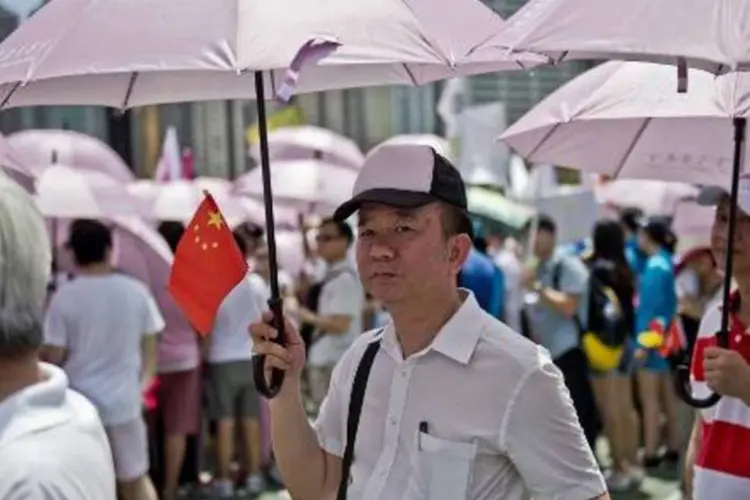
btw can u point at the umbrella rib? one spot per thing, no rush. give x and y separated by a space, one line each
541 142
16 86
631 147
129 91
410 75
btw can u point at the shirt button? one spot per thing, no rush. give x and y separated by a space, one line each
738 339
403 373
394 420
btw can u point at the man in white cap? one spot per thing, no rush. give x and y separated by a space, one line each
717 459
52 443
445 402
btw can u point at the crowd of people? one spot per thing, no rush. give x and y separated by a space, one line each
162 405
628 398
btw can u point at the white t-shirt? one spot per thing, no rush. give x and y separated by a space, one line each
100 320
245 304
341 296
52 445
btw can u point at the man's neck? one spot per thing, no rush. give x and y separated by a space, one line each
95 269
18 374
419 322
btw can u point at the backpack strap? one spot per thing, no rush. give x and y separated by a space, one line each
355 410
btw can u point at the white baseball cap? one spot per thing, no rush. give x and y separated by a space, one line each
406 176
712 195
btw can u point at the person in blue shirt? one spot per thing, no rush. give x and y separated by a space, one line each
656 303
485 279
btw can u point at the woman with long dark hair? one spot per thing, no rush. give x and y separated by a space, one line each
612 389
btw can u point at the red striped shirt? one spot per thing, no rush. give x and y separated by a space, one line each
722 468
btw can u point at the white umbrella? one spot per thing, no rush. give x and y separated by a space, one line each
652 197
69 193
305 185
44 147
308 142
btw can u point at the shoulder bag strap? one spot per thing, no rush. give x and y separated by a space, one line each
355 409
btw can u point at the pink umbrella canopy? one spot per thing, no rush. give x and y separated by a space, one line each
692 225
439 144
653 197
177 200
706 34
38 147
67 192
624 119
304 185
15 165
87 52
308 142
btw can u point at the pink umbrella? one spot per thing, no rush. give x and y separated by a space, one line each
624 119
439 144
85 51
305 185
44 147
703 34
692 225
308 142
67 192
177 200
653 197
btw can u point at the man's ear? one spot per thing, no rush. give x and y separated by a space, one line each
460 248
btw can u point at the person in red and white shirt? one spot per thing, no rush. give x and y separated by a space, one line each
718 458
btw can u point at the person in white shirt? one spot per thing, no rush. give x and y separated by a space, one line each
101 328
230 389
455 405
52 443
337 319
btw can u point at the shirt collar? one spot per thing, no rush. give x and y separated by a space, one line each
37 407
457 339
337 266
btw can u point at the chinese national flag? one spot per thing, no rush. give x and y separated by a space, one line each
207 266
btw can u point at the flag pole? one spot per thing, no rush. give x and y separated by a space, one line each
268 389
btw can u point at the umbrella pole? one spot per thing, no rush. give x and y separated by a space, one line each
268 389
682 377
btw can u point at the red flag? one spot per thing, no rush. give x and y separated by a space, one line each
207 266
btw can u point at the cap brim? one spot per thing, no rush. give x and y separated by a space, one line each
391 197
711 195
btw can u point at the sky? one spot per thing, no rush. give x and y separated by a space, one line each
21 6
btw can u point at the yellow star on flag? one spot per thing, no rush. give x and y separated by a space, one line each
214 219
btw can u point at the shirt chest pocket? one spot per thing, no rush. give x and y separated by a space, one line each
442 468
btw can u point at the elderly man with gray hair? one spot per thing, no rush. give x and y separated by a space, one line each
52 443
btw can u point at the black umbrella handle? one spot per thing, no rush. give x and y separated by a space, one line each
682 376
682 380
269 389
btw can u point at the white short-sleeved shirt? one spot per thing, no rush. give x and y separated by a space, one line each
230 339
342 295
500 421
53 445
101 320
